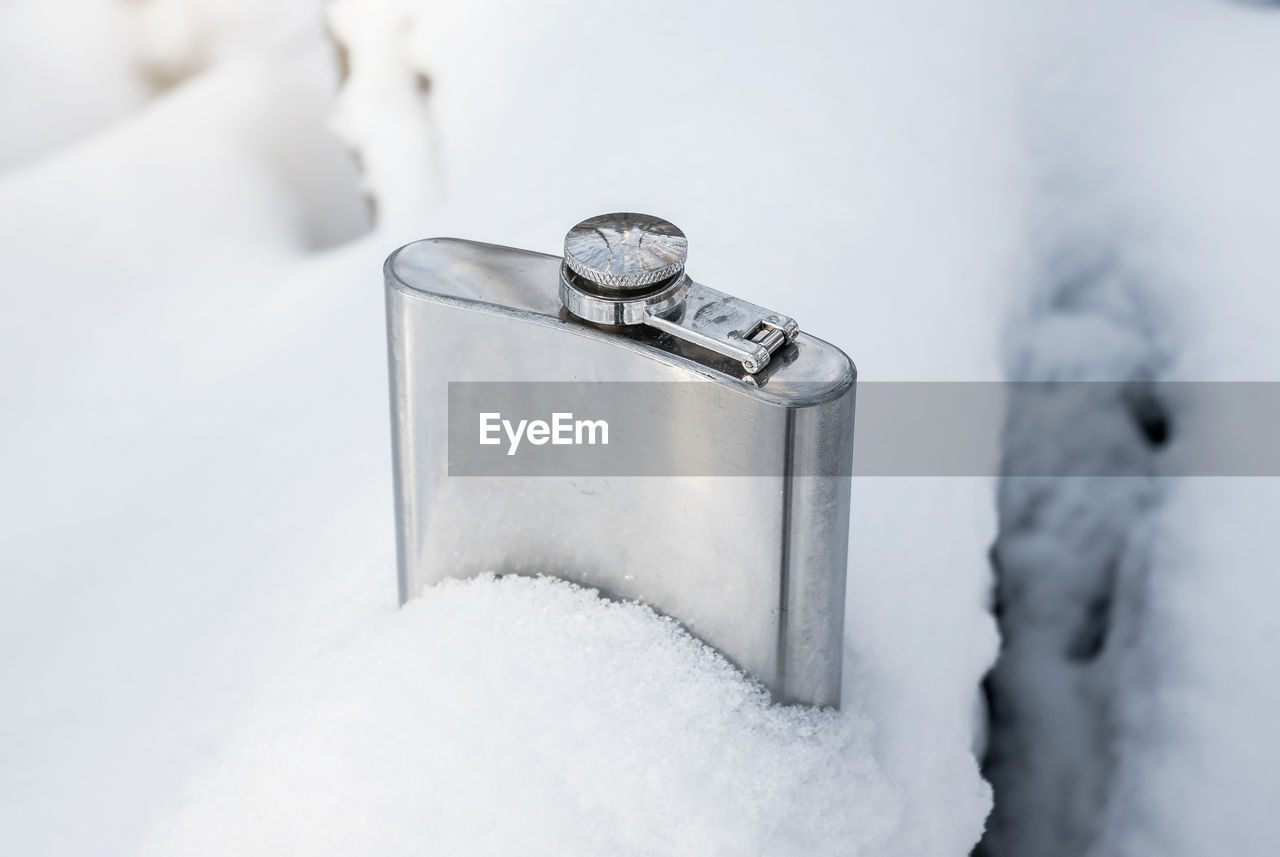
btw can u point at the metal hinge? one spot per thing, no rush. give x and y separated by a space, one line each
727 325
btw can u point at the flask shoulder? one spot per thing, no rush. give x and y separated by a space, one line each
523 285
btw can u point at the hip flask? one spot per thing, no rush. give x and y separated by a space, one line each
605 419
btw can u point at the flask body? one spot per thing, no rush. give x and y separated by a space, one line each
751 559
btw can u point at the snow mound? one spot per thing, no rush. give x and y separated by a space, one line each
1135 696
529 716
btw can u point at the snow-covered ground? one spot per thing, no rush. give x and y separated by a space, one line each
1134 698
199 645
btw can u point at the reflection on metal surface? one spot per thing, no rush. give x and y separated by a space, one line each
625 251
754 565
628 269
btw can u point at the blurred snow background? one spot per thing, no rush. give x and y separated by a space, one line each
199 647
1132 702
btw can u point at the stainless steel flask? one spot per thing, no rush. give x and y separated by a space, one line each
720 493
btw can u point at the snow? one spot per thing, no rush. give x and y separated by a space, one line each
1201 754
1134 695
36 44
199 644
530 716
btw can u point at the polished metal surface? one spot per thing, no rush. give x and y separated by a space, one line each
750 334
618 310
625 251
753 565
